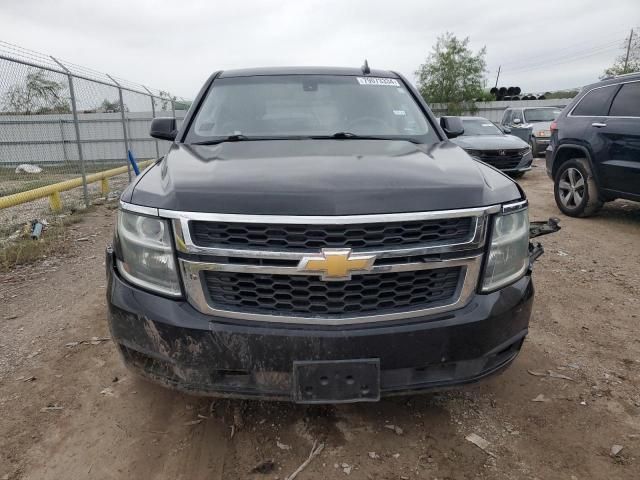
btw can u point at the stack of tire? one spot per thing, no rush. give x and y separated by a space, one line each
512 93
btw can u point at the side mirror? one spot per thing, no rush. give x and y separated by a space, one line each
452 126
506 129
517 121
163 128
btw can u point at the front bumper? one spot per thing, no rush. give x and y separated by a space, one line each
541 145
524 165
548 161
520 169
170 342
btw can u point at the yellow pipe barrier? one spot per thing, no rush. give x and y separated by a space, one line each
53 190
55 202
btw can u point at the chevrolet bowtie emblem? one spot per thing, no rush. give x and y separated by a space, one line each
336 263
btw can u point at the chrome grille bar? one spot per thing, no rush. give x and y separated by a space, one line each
185 244
191 274
466 255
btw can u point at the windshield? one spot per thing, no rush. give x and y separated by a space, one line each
286 106
480 126
532 115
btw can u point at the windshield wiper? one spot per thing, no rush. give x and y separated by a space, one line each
238 137
338 135
355 136
345 135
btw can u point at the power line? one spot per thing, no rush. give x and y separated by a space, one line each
626 59
562 60
568 49
553 58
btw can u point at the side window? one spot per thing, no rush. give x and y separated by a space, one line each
596 103
627 101
506 118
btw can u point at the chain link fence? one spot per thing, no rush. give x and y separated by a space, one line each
61 122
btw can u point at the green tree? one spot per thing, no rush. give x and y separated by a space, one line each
108 106
183 104
623 65
166 99
453 74
36 95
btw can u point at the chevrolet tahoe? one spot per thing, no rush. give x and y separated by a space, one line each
312 235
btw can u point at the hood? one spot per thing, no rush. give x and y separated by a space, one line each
319 177
489 142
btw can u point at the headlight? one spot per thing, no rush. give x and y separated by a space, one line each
543 133
509 253
147 253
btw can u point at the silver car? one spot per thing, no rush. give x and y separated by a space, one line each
537 118
486 142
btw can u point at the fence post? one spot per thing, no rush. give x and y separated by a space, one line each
64 148
76 124
153 115
173 108
124 127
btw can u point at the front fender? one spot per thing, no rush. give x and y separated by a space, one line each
574 146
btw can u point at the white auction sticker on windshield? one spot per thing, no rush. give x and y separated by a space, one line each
385 82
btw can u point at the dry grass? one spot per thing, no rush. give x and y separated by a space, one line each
25 250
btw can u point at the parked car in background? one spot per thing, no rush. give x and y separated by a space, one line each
594 155
538 118
486 142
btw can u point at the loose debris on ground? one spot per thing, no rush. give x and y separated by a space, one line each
316 449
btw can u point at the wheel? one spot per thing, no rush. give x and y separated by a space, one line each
534 147
515 175
575 190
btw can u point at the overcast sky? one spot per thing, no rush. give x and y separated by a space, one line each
541 45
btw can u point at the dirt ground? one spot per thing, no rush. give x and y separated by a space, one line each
72 411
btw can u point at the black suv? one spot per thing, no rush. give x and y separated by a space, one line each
312 235
594 154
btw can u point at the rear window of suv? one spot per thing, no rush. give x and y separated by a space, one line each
595 103
627 101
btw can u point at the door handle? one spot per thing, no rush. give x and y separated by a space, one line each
598 124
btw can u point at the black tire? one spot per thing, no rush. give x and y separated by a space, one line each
516 175
575 189
534 147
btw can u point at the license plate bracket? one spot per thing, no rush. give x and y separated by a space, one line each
340 381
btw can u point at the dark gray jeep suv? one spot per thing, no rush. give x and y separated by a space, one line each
594 154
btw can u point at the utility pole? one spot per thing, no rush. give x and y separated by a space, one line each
626 60
498 76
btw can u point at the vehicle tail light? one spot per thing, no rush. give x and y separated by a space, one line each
554 126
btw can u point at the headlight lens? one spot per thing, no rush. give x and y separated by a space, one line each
147 253
509 253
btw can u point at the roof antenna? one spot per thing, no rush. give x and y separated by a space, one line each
365 68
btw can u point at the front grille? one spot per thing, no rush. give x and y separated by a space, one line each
509 160
305 237
295 295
